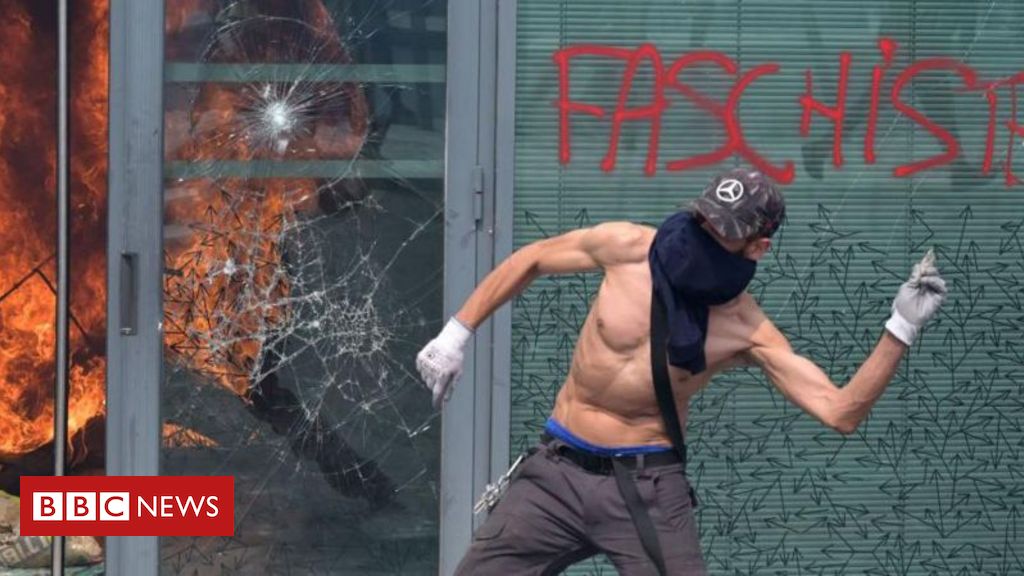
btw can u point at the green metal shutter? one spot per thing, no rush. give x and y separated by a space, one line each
931 483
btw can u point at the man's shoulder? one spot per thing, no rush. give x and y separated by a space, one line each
621 241
762 331
744 303
752 310
625 230
746 310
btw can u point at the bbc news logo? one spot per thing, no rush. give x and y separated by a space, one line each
115 506
127 506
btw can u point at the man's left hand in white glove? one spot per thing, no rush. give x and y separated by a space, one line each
440 361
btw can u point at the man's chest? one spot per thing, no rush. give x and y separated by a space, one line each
620 315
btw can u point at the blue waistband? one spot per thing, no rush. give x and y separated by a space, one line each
558 431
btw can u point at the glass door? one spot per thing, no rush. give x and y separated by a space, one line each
303 268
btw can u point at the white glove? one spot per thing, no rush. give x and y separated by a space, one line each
440 361
918 300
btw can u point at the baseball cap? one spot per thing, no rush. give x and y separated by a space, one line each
741 204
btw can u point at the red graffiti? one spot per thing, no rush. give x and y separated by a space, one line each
714 108
952 148
651 111
990 134
837 113
647 58
728 115
1015 130
888 49
566 106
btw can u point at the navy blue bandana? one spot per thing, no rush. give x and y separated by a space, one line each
691 271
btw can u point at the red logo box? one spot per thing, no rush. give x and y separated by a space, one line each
127 506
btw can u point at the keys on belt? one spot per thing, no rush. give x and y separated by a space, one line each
494 491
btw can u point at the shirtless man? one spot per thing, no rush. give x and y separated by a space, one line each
563 503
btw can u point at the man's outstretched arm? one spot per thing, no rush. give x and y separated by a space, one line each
805 384
586 249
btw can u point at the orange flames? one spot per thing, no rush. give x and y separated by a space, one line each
181 437
225 285
28 220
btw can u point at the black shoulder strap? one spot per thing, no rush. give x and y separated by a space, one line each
666 402
662 384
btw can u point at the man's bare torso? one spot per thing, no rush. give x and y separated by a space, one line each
608 397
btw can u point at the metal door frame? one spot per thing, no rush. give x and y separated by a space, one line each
479 182
504 186
469 255
135 263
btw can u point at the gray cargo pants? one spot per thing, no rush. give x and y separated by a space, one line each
556 513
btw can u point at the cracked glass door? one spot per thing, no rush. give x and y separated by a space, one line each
303 247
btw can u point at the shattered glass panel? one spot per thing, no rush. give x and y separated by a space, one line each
303 202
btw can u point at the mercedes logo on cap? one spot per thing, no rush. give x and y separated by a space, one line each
729 190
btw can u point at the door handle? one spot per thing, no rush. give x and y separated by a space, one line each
129 293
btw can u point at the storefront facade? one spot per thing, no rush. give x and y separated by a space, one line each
290 198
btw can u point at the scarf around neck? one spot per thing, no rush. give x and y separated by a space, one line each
690 271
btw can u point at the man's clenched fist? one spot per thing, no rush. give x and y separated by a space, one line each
917 301
440 361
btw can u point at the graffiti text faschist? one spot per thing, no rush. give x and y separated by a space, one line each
727 112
